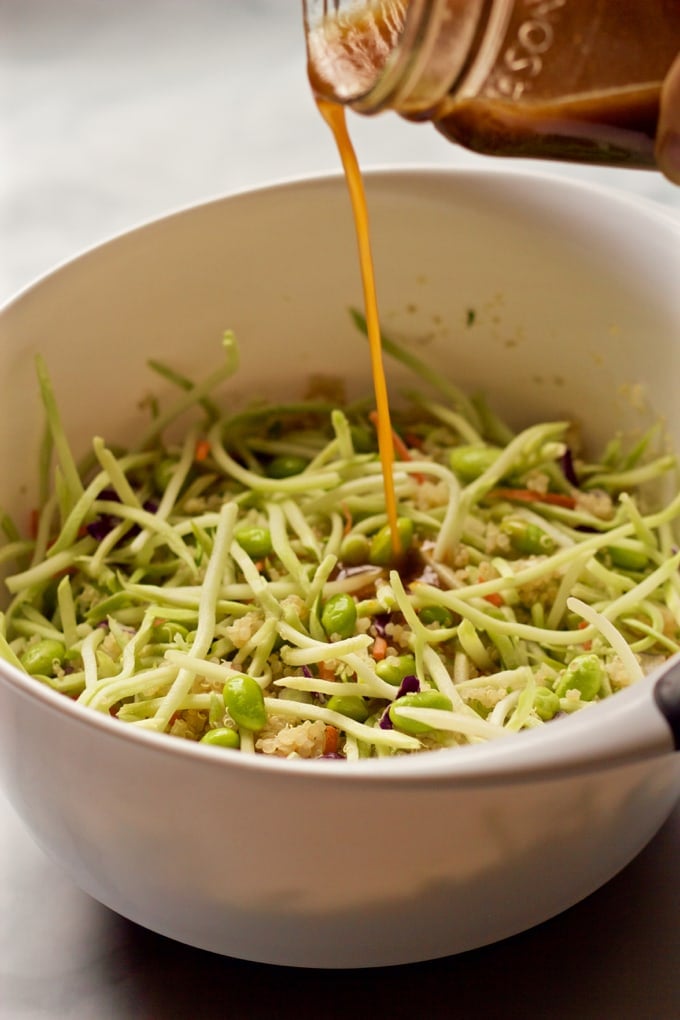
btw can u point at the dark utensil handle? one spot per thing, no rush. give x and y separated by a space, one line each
667 698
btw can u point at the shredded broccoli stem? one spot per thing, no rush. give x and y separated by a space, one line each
72 482
158 575
196 393
610 633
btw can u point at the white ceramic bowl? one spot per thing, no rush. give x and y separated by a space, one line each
313 863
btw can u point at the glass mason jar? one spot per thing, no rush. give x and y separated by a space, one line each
554 79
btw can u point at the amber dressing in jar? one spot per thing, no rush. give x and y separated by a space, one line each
563 79
555 79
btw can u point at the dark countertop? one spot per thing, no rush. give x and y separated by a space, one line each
616 954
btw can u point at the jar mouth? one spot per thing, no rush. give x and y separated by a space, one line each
396 54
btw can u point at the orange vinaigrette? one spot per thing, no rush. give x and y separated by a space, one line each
334 115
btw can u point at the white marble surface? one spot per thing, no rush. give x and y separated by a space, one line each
116 111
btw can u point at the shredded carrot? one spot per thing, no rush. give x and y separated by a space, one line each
325 671
202 450
400 447
529 496
495 598
379 649
399 444
330 741
587 645
414 440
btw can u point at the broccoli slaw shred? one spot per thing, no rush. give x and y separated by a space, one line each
239 587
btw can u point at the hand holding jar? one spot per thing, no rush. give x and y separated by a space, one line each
668 136
579 80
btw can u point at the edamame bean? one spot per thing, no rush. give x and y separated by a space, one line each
352 706
355 549
546 703
339 616
527 538
223 736
255 540
394 668
245 702
471 460
626 558
440 615
583 674
162 473
424 699
286 465
39 659
363 441
381 553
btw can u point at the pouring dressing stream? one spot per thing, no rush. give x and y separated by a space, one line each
334 115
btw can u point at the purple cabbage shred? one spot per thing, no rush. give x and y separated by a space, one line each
385 721
409 685
110 495
101 526
379 624
568 470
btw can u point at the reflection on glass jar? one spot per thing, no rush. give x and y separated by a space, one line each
554 79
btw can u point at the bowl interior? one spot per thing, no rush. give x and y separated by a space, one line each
553 298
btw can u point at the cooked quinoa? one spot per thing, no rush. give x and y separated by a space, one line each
241 587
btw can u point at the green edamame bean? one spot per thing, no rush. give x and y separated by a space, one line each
527 538
339 616
394 668
381 552
471 460
584 674
363 440
440 615
223 736
546 703
254 540
286 465
627 559
39 659
162 473
245 702
424 699
354 550
352 706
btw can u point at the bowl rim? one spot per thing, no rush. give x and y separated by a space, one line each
471 764
513 759
667 216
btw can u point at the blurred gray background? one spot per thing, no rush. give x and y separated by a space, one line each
116 111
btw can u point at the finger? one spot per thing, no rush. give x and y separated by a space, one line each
668 133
